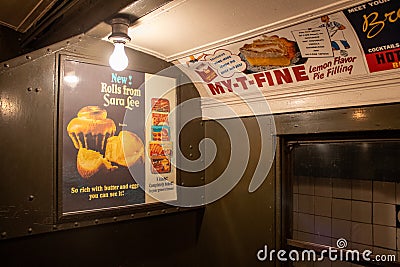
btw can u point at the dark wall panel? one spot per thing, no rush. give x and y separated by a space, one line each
235 227
27 145
361 159
9 43
166 240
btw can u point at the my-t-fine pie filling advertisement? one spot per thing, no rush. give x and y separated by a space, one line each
357 41
117 138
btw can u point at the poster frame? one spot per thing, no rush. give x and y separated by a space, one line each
102 213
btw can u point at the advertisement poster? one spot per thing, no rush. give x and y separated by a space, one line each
317 50
377 24
160 136
104 139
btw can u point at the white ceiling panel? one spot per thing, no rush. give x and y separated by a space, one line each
183 27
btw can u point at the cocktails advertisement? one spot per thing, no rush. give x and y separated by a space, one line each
377 24
117 138
359 40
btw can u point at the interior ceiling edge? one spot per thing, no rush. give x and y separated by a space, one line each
33 12
278 25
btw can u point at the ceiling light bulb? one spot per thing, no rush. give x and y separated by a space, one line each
118 59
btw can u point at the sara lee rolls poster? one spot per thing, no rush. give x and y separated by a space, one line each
95 173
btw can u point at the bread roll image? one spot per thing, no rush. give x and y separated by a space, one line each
91 128
126 149
90 162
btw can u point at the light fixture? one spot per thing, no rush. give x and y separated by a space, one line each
119 36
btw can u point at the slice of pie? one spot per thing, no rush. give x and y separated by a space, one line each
269 51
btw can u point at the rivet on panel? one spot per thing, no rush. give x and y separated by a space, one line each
191 155
96 221
31 197
190 146
6 65
54 227
68 42
182 183
80 38
296 125
28 57
177 208
114 218
48 50
148 213
202 178
132 215
76 224
37 90
30 230
30 89
3 234
163 211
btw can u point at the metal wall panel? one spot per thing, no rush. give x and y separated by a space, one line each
27 146
235 227
167 240
28 90
192 133
29 108
366 118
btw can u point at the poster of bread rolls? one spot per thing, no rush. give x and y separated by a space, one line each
103 153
